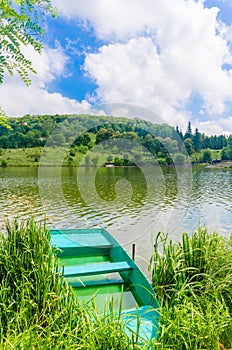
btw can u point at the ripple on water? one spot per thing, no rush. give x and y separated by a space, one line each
209 202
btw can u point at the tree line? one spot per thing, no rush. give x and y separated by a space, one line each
195 141
83 132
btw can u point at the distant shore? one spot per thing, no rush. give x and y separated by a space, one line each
222 164
31 157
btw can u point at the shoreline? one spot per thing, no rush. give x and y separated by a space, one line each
221 165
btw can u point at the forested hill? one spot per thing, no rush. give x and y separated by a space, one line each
33 131
83 132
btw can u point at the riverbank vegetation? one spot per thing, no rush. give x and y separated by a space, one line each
192 279
23 143
38 308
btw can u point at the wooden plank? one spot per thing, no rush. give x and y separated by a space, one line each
73 240
95 269
82 260
92 283
83 251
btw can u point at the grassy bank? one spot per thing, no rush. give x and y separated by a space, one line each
193 280
30 157
72 157
38 309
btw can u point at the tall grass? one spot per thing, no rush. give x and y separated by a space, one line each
38 309
193 280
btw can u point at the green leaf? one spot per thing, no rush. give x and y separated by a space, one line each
20 24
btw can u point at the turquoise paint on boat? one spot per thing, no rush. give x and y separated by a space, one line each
95 264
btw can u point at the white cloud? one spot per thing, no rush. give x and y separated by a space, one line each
225 31
132 73
215 127
158 52
17 99
111 19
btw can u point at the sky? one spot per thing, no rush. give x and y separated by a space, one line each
173 57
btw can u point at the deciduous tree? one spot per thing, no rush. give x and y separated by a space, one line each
207 156
20 25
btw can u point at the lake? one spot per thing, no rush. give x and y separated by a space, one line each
132 203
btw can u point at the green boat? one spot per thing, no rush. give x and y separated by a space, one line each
95 265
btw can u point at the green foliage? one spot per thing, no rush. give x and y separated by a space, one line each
83 149
72 153
118 161
197 323
84 139
36 131
179 159
20 25
70 160
109 158
170 145
224 154
213 142
87 160
22 252
197 141
95 160
207 157
124 161
138 157
58 139
4 163
154 145
202 141
193 280
39 310
189 146
227 152
188 134
4 120
169 160
104 134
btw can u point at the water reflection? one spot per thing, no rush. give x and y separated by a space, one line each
107 179
129 200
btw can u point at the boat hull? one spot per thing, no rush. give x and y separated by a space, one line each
95 265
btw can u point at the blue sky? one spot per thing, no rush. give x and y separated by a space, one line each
171 57
79 40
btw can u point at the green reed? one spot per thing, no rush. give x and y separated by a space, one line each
38 309
193 279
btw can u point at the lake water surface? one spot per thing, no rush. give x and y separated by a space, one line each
132 203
